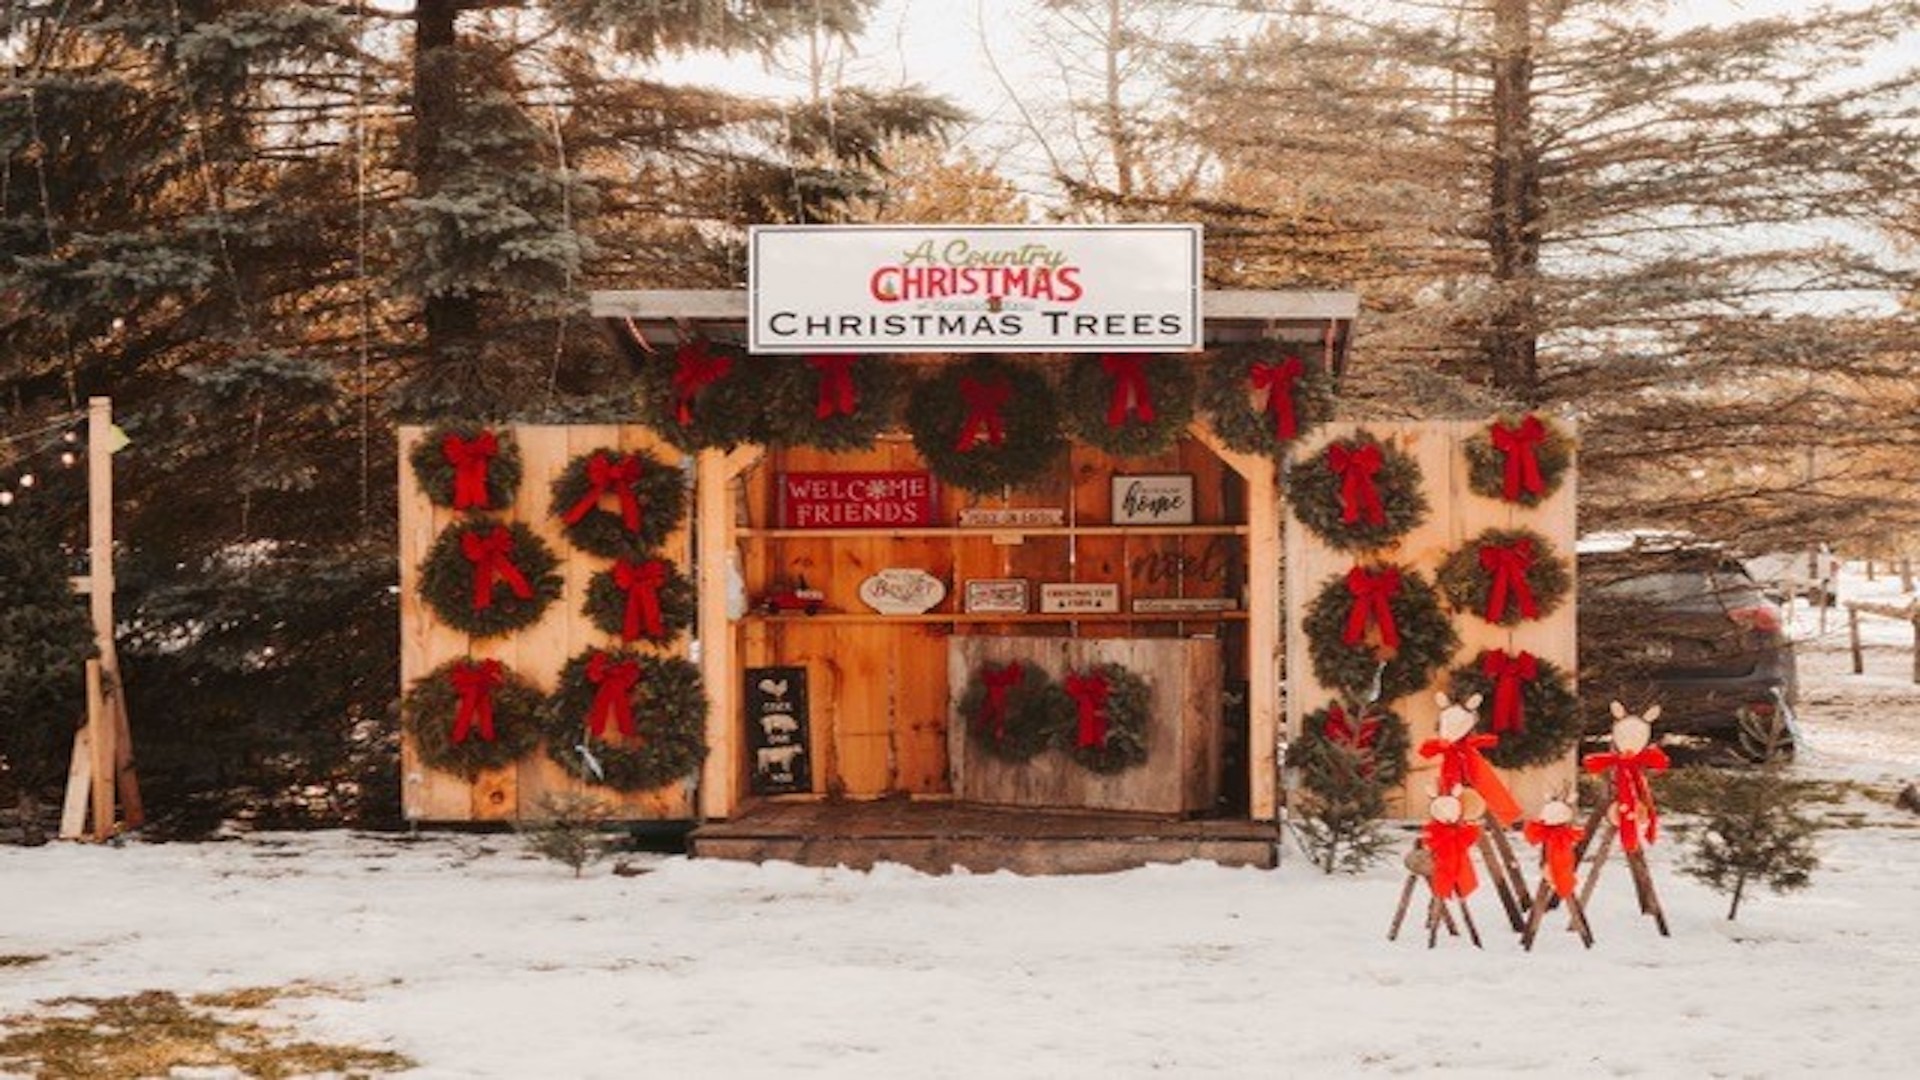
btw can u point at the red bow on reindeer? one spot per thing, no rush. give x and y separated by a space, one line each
1130 392
1277 380
836 394
1556 844
696 369
491 555
1632 793
469 458
1089 694
1451 843
1518 445
1461 764
475 683
984 400
1508 563
611 707
641 582
1359 496
1510 673
1371 591
998 683
610 476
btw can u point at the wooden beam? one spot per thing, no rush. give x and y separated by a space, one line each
101 772
714 473
73 812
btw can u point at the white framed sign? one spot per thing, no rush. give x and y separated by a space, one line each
1061 597
1000 595
1159 499
973 288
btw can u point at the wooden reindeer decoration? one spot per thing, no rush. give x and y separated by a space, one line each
1559 840
1629 812
1444 858
1461 765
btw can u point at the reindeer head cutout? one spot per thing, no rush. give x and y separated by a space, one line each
1632 732
1460 804
1558 807
1457 719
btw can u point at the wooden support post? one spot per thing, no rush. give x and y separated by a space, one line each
714 474
1853 639
1509 862
73 811
100 723
1542 900
1500 884
1913 617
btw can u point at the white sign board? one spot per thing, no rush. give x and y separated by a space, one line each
973 288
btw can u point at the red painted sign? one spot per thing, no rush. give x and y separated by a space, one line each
856 500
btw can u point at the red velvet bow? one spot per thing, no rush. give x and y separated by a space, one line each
982 423
1510 673
610 476
1370 591
1130 392
475 683
1358 738
1518 445
998 683
616 680
490 553
1451 843
697 369
836 393
641 581
1508 564
1462 765
469 458
1359 497
1277 380
1632 794
1556 843
1089 693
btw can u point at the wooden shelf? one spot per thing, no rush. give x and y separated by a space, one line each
1000 617
947 531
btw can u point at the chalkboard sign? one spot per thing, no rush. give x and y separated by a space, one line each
777 730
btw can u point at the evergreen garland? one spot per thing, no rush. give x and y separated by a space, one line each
447 579
668 707
606 604
1374 742
1092 391
435 473
1037 713
1552 724
1315 490
1468 582
1487 464
803 405
939 418
1427 641
430 714
1127 709
704 395
659 492
1238 409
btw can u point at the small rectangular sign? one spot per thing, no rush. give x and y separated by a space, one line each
855 500
998 595
777 728
1071 597
1153 605
1153 500
1013 517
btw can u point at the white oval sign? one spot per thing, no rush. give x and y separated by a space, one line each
902 591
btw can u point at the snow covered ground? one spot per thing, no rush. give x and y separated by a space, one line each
477 960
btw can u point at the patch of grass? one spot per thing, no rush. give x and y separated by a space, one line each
154 1032
11 960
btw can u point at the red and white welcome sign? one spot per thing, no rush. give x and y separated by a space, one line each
856 500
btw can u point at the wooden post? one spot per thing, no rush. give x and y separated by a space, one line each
1913 618
1853 639
101 746
714 474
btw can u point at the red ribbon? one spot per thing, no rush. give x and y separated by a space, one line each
1510 673
490 553
982 423
469 458
1509 564
1632 794
610 476
1277 380
697 370
1089 693
1451 843
1358 738
616 680
1359 497
1130 392
1370 591
475 683
1462 765
998 683
836 394
641 581
1556 843
1518 445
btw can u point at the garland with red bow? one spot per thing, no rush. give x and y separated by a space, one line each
1529 704
641 599
702 394
1260 398
1339 741
1633 809
1128 404
1014 710
626 720
1110 709
487 579
1372 615
471 468
1519 460
467 716
985 424
834 402
1505 576
1357 493
619 502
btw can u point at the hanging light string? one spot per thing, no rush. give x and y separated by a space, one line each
21 463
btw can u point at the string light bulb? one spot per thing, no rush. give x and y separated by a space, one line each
68 457
6 498
26 480
71 437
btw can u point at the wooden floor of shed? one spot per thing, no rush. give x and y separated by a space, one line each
937 836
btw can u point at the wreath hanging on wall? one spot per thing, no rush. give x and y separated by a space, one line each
1107 729
1373 740
615 503
1505 576
1014 710
1260 398
627 720
704 395
833 402
487 579
1128 404
1380 622
985 424
1519 461
1358 493
641 600
468 716
467 467
1528 703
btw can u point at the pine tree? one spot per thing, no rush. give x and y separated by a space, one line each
1340 808
45 638
1752 832
567 828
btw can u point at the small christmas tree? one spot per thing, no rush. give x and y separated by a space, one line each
1751 828
568 830
1340 806
45 638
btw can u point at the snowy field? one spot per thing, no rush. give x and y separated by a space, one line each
476 960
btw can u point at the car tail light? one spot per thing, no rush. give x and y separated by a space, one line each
1762 620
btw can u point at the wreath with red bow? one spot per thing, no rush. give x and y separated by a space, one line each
832 401
1261 397
616 502
1371 741
1505 576
468 716
703 395
1527 702
1379 623
627 720
1106 728
1014 710
1519 460
1357 493
986 424
1128 404
488 579
467 467
641 599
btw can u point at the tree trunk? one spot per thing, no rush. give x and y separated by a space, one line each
1739 889
452 321
1513 232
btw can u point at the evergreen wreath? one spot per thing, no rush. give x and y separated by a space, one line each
604 476
1490 470
1505 567
985 424
1426 637
1034 713
611 602
495 464
1552 725
665 705
1127 404
833 402
704 395
516 562
1122 743
1335 735
433 710
1236 396
1382 482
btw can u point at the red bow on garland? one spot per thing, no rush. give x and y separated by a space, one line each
475 683
1632 794
1556 843
469 458
1371 590
1518 446
490 553
611 707
1277 380
641 582
1508 564
1510 673
1461 764
1130 392
999 683
982 423
836 394
1451 843
610 476
697 369
1359 496
1357 738
1089 693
